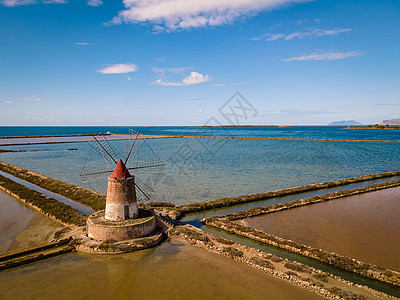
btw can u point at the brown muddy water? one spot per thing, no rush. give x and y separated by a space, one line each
365 227
14 217
21 226
173 270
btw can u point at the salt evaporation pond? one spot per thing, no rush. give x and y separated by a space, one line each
365 227
200 170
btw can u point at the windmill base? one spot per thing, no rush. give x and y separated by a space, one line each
99 228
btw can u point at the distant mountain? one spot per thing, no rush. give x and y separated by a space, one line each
344 123
391 122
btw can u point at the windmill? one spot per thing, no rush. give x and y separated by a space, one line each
123 190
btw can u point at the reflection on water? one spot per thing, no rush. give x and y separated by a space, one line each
170 271
366 227
238 167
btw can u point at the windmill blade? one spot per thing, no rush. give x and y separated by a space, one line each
129 141
89 174
141 193
139 166
139 161
103 142
100 148
144 191
143 185
130 150
137 144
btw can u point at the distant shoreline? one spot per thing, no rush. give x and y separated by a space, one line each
374 127
157 136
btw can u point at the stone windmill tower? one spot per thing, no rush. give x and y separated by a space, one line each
121 219
121 202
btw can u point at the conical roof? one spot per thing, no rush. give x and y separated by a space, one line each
120 171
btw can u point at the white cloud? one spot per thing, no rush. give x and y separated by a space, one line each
324 56
119 69
13 3
193 78
8 102
183 14
32 98
82 44
318 32
95 2
54 1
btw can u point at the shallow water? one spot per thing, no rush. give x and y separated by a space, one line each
203 170
14 217
365 227
170 271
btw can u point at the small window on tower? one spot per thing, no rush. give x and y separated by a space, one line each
126 211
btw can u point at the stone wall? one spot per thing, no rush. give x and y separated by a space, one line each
140 228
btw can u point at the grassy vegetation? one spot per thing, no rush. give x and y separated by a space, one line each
161 204
297 267
375 126
48 206
346 295
227 201
232 252
79 194
320 276
262 262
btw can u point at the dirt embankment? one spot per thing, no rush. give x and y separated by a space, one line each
50 207
349 264
228 201
71 191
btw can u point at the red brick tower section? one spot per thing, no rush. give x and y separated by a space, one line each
121 203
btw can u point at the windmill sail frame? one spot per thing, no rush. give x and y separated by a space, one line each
134 142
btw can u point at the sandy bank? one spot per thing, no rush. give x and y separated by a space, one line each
21 226
39 230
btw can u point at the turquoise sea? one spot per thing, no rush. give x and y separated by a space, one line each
200 170
309 132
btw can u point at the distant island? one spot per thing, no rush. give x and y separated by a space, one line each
344 123
391 122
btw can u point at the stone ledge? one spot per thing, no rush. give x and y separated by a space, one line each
113 247
98 219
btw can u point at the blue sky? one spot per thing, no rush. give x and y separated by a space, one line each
176 62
